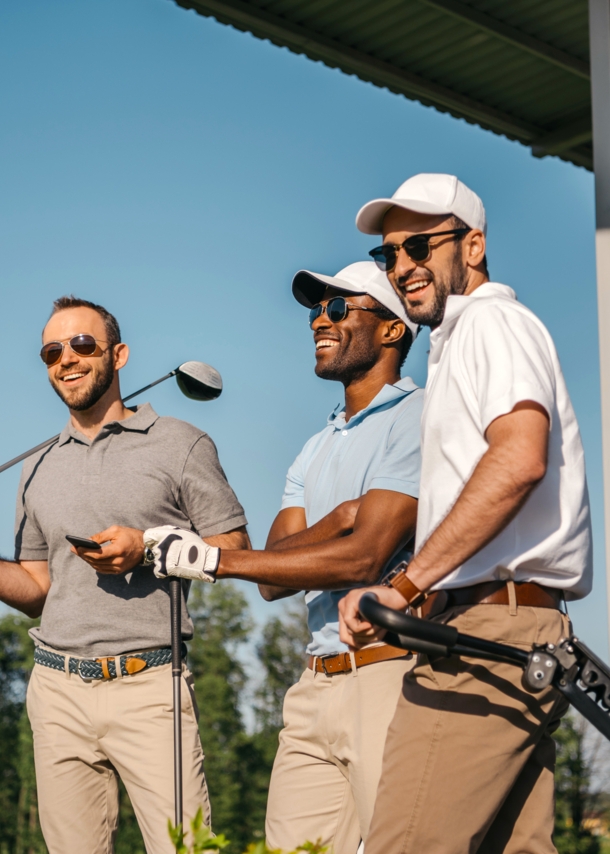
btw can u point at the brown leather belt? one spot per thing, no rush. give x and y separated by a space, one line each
342 662
527 593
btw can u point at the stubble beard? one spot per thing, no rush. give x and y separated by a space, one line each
80 401
349 364
432 315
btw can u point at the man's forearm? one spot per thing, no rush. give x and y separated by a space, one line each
326 529
490 499
385 522
22 589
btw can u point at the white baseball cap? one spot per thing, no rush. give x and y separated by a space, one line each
363 277
426 193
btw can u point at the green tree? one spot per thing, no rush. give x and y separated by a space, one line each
222 626
281 651
281 654
573 790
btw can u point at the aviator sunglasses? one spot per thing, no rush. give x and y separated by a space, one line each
417 247
337 310
82 345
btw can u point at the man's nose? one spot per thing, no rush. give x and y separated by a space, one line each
322 321
404 265
68 357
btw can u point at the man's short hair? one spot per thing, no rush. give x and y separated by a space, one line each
456 222
113 330
407 339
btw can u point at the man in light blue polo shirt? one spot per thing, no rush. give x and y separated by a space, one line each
348 516
378 448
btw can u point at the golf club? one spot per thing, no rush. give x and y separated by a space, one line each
195 379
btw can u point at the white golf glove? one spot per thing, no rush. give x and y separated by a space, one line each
181 553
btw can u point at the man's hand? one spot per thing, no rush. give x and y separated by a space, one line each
353 629
124 549
182 554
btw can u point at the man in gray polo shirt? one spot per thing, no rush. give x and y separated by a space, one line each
100 697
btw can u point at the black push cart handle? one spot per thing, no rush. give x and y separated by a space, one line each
569 666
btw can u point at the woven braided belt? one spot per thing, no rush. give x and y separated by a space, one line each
104 668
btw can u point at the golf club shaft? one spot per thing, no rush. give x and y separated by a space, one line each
50 441
146 387
175 594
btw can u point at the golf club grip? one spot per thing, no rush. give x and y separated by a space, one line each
403 624
175 595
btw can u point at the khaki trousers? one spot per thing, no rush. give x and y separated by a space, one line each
326 771
87 733
469 758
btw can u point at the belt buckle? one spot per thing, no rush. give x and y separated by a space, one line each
323 663
78 670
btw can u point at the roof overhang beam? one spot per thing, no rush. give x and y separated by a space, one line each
563 138
512 36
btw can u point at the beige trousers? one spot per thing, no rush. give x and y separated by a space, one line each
326 771
87 733
469 758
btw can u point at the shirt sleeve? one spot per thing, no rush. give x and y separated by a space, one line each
508 360
205 495
400 467
30 543
294 491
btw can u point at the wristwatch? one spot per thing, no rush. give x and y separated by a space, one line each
149 557
399 580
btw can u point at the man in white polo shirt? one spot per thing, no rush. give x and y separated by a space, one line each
503 534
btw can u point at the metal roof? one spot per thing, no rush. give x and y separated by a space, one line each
518 68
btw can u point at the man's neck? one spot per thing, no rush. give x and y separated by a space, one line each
109 408
475 282
360 392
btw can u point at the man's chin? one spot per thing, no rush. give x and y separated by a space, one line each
77 400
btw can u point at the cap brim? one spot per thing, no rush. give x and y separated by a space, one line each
369 218
308 288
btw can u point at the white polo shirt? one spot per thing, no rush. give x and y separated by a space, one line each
488 354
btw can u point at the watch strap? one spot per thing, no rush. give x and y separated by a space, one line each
409 591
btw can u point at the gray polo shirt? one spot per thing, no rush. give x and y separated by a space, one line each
141 472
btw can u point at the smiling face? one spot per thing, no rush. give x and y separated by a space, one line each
454 265
347 350
81 381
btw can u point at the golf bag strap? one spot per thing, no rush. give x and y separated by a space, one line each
528 594
342 663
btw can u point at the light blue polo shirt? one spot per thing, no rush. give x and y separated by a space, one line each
377 449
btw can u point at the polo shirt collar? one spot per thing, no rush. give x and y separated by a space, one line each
388 394
457 305
144 417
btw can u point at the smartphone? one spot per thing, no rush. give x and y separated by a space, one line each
83 543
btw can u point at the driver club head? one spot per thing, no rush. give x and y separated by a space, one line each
199 381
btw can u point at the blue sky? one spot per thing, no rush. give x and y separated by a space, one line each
180 172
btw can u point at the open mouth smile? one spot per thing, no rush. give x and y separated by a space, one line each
416 286
73 378
323 343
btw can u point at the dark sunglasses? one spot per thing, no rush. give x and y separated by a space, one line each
82 345
417 247
337 310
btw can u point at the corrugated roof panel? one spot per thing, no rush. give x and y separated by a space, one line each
518 68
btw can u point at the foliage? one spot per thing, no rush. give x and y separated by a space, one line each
573 791
203 840
202 837
280 651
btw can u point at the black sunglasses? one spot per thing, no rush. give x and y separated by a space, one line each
82 345
417 247
337 310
